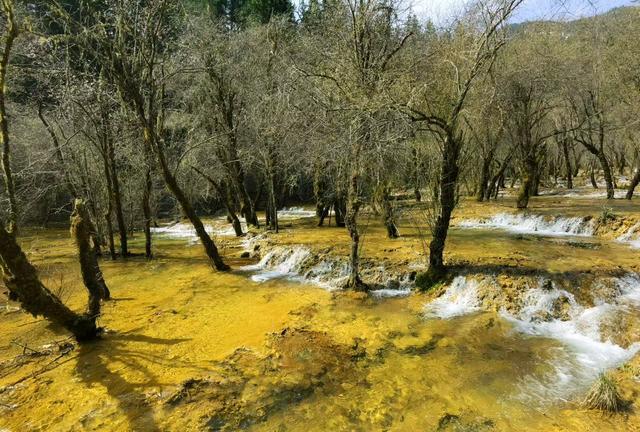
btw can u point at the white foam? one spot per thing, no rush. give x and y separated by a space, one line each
298 264
584 193
631 237
279 262
534 224
580 335
295 213
584 352
460 298
185 230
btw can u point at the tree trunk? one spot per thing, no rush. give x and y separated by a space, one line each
351 221
146 202
81 228
109 212
389 217
484 179
223 192
10 36
567 163
634 183
416 176
323 213
528 177
608 177
247 208
172 183
23 282
592 178
117 200
447 196
273 204
340 210
498 179
523 195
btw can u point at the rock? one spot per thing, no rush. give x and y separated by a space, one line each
561 308
393 284
547 285
245 254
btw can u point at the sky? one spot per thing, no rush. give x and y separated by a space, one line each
439 11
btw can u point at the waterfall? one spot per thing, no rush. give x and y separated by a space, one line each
535 224
549 312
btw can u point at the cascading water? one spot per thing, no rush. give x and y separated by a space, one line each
295 213
279 262
535 224
180 231
460 298
299 264
183 230
631 237
548 312
220 227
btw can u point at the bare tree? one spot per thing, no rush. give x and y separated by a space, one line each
483 37
11 31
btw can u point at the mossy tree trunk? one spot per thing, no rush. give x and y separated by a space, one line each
634 183
172 184
417 167
449 172
21 277
389 218
10 35
497 181
354 281
117 196
483 180
564 143
351 221
81 229
109 211
146 200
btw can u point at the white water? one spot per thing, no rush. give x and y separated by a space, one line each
279 262
461 298
631 237
534 224
180 230
295 213
298 264
584 352
585 192
184 230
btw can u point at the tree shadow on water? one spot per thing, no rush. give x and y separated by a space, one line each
114 363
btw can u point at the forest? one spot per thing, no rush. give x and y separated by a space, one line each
338 215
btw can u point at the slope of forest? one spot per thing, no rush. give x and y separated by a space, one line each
245 215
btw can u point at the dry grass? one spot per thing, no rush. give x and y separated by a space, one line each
604 396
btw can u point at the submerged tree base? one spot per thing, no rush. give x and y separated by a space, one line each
432 277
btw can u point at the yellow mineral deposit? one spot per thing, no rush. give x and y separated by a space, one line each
187 348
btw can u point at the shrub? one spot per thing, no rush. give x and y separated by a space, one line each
604 396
